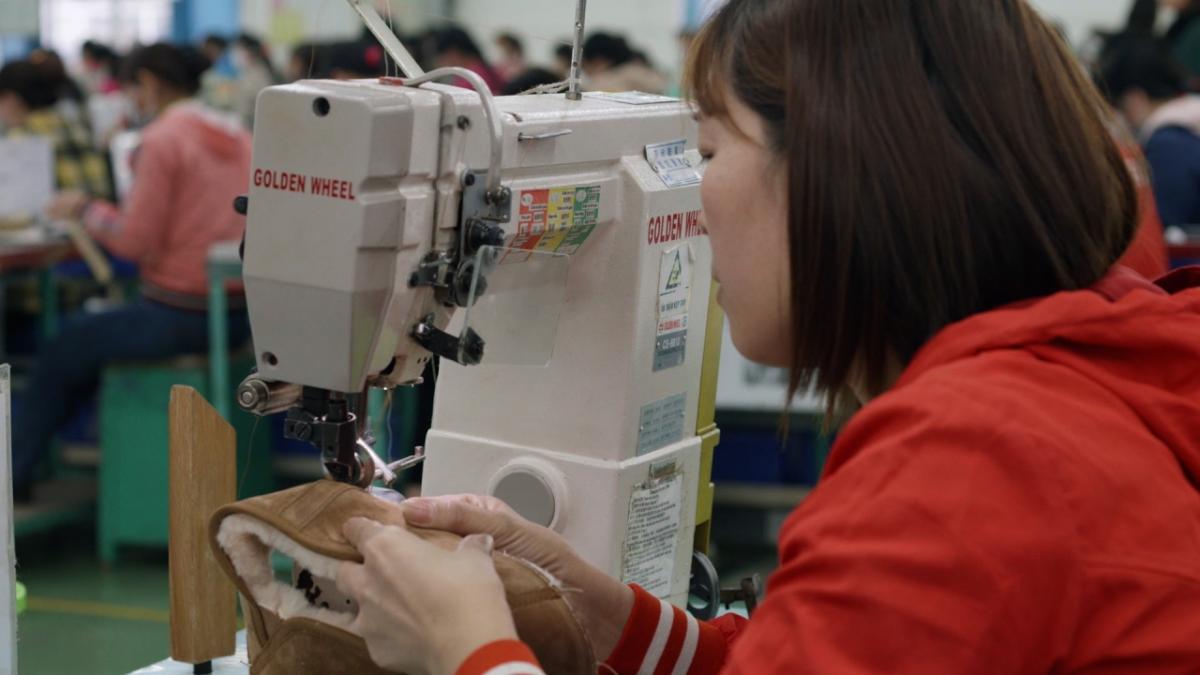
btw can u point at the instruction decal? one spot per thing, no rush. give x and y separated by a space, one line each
674 295
655 516
553 220
661 423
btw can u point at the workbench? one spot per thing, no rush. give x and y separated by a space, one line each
34 250
238 664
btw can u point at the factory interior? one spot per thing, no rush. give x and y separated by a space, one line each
512 337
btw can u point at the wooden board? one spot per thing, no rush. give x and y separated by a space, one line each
203 477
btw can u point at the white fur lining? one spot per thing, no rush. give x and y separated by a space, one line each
249 542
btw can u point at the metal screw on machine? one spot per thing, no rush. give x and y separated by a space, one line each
301 431
248 397
500 197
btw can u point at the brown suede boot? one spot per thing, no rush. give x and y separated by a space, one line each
304 628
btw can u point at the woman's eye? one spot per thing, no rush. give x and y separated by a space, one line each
706 155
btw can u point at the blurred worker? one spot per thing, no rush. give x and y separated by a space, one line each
511 64
214 47
254 73
454 47
530 79
190 166
72 100
109 111
308 60
1147 88
218 89
356 59
100 64
610 65
562 60
28 97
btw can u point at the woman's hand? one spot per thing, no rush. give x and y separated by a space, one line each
423 608
67 204
601 603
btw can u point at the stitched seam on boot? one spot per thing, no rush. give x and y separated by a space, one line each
300 494
529 598
329 499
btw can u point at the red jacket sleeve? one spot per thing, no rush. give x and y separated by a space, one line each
663 639
658 638
140 228
503 657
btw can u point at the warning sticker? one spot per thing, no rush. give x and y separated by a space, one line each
661 423
655 515
553 220
674 293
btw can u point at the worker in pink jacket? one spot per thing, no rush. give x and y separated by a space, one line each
190 166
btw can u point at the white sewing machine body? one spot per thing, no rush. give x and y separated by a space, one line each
355 184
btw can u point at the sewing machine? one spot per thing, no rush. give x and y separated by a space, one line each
547 247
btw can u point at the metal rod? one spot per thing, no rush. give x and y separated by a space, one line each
391 44
407 463
573 82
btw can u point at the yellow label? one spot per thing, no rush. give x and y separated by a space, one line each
560 218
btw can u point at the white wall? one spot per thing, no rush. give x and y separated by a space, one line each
286 23
66 24
293 21
18 17
1080 17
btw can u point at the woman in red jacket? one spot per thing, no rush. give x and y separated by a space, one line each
917 207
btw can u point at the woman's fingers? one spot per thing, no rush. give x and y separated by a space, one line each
382 544
358 530
352 580
456 514
478 542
